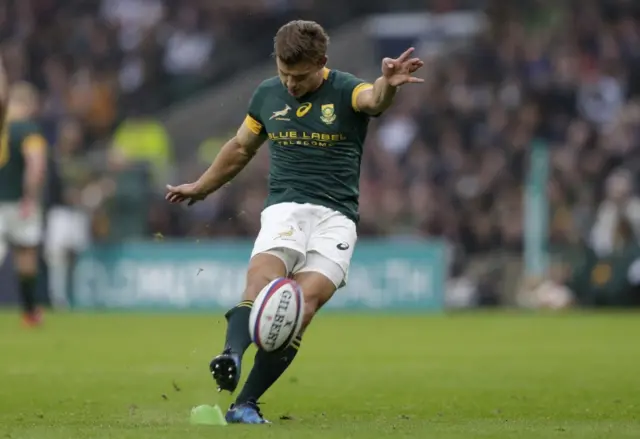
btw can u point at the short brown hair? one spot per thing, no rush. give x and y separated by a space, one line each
300 41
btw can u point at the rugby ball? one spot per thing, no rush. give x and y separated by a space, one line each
276 315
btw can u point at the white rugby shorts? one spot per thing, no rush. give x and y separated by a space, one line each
308 237
67 229
23 232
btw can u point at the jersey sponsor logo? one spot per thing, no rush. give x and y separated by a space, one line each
328 114
281 114
304 109
342 246
303 138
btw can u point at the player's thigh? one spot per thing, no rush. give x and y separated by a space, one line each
334 237
279 248
319 279
282 226
263 268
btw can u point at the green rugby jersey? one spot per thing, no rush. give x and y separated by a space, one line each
315 142
16 138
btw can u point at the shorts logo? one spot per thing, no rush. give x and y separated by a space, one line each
303 109
286 235
280 115
328 114
342 246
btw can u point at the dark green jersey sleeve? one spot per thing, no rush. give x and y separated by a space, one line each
29 136
24 136
254 119
352 86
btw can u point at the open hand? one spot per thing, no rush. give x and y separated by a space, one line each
191 192
398 71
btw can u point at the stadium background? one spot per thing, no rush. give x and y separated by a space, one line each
138 93
500 181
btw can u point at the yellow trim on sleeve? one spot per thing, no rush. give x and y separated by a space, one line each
5 152
325 73
253 125
35 143
356 91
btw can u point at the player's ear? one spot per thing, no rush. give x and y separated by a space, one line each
323 62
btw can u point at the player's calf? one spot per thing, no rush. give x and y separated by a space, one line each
226 367
318 282
317 290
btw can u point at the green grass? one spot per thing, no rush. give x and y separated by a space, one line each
447 377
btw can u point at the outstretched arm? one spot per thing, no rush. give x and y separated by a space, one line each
232 159
395 72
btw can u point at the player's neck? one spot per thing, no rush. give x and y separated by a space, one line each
322 76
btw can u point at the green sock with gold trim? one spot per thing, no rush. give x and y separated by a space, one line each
267 368
238 338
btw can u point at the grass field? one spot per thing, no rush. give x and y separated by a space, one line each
362 377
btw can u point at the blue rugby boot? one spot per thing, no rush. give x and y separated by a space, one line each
245 413
225 369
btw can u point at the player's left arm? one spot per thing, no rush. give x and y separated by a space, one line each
34 150
375 99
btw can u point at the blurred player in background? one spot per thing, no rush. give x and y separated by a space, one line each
23 152
316 121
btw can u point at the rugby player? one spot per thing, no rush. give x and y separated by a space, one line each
315 119
23 151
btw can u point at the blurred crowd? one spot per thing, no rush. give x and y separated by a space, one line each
105 67
452 160
99 60
449 160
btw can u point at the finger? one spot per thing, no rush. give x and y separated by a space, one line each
413 80
413 62
171 188
406 54
390 63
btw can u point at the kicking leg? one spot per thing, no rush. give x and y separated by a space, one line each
318 281
225 368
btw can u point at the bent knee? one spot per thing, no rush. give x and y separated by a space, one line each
263 269
317 290
311 307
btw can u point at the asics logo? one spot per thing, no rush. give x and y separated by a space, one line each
303 109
